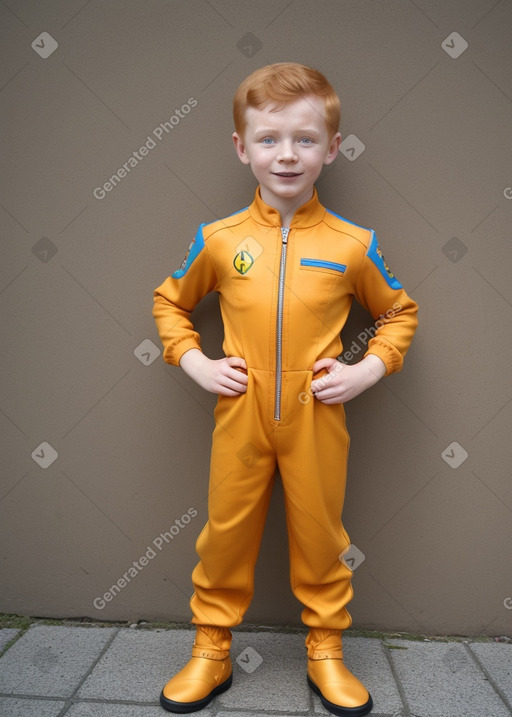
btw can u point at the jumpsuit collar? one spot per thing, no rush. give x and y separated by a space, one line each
309 214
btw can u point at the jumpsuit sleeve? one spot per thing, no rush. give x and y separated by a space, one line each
176 298
395 313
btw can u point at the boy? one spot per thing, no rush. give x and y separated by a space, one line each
286 270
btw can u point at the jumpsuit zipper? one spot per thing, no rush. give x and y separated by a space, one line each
279 325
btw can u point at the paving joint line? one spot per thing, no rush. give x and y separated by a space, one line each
23 696
401 692
488 677
258 712
105 701
70 700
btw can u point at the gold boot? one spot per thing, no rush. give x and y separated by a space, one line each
207 674
340 692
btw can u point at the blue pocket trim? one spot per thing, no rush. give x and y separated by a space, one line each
321 264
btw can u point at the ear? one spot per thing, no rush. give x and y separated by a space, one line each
240 148
333 149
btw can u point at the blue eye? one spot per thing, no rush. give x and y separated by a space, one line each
267 140
306 140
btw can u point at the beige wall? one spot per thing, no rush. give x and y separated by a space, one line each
77 274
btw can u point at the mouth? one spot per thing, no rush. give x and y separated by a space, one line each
287 174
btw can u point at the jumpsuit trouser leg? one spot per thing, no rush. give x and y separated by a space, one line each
310 445
242 470
312 450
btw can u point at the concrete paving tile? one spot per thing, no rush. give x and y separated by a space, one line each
318 707
441 679
367 660
6 635
138 664
269 674
15 707
50 660
496 658
95 709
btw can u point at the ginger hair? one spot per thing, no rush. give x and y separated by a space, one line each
285 82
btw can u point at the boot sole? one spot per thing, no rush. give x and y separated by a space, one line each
337 709
186 707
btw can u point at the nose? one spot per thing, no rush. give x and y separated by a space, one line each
287 152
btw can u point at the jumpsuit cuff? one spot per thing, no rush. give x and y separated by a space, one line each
210 654
174 354
212 642
392 358
324 644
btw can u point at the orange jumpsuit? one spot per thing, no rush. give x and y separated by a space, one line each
284 298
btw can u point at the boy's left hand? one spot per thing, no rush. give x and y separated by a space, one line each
342 382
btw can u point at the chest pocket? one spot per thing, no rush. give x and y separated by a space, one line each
329 267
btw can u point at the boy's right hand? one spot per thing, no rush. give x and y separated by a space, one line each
219 376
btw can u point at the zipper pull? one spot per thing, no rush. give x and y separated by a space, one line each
284 234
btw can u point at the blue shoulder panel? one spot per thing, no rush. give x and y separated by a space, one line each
374 253
338 216
196 246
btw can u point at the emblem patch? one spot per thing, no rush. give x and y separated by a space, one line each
243 262
184 262
386 267
375 254
194 249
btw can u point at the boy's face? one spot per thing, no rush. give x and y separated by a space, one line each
287 148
